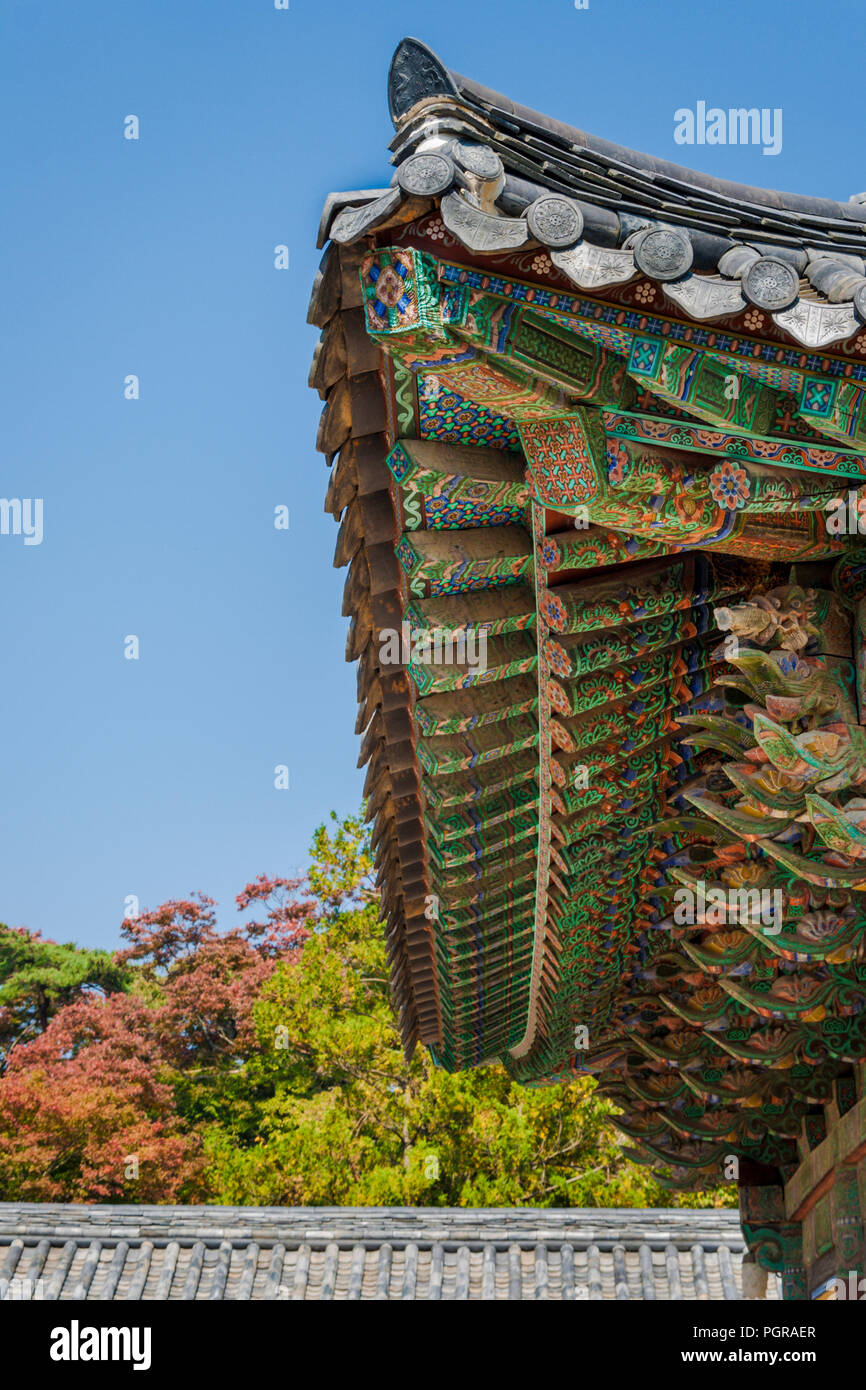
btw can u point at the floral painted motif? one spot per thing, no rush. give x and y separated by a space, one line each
435 229
542 264
730 485
549 552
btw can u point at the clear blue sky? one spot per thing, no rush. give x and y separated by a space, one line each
155 258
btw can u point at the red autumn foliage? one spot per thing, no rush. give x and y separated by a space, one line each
79 1101
210 979
100 1084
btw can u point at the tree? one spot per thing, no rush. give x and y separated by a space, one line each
39 977
88 1113
341 871
106 1100
209 979
345 1120
261 1064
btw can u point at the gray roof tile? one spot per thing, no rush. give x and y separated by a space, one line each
391 1253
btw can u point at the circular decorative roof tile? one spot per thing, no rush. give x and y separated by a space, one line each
663 253
476 159
555 221
771 284
425 175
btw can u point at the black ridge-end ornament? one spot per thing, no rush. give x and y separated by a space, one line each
554 221
663 253
425 175
416 74
771 284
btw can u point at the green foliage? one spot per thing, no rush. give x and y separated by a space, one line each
262 1065
348 1122
341 871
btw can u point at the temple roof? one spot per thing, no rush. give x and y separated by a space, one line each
402 1253
540 182
608 422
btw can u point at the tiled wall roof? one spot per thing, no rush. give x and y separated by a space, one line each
128 1252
